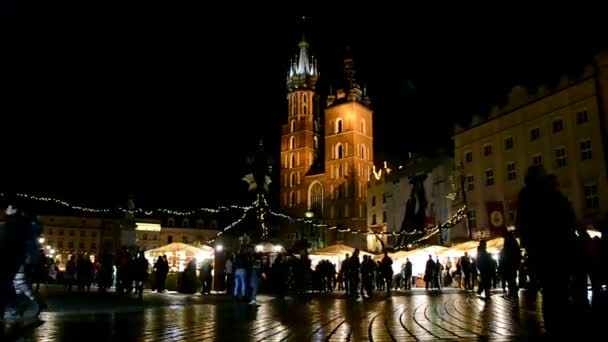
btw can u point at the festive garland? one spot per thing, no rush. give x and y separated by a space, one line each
132 211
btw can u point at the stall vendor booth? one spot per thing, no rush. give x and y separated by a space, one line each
179 255
335 254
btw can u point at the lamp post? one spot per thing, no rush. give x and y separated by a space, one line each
310 215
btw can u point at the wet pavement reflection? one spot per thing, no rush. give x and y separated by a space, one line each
398 318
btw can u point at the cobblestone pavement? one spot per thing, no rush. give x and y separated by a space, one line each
452 316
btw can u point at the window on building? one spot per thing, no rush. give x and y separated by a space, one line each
592 199
558 125
315 141
170 239
144 237
468 156
384 217
560 157
293 126
61 232
81 245
93 245
489 177
292 142
292 179
534 134
339 126
472 219
340 151
363 127
373 219
292 199
470 183
586 150
305 110
59 244
305 98
362 151
511 173
581 117
373 200
83 233
383 198
537 160
487 150
71 244
340 213
508 143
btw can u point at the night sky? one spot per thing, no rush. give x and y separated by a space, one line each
166 103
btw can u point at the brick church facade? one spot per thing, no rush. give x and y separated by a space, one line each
326 152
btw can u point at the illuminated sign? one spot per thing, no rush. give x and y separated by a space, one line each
147 227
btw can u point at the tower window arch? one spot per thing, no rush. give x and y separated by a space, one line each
339 126
292 199
339 151
363 151
292 179
292 143
363 127
293 126
305 98
315 197
292 161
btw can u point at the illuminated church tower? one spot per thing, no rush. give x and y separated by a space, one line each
326 160
300 139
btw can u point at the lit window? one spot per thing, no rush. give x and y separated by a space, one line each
586 150
470 183
560 157
592 199
489 177
511 173
472 219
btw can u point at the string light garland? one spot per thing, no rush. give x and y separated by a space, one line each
147 212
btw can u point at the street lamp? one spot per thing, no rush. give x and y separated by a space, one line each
310 215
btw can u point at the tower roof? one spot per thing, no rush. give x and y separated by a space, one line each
303 73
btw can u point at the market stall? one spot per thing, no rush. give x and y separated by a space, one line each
335 254
179 255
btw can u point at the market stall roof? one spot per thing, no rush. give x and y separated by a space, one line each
180 247
338 249
433 249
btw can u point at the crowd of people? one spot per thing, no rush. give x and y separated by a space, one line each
544 218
